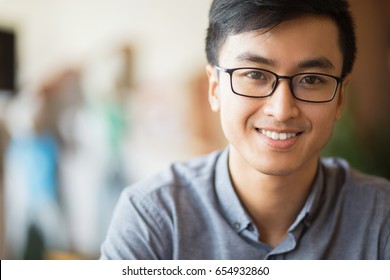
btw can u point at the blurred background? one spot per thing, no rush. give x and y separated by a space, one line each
95 95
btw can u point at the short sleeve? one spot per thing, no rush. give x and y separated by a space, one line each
136 231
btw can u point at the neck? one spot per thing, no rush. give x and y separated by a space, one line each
272 201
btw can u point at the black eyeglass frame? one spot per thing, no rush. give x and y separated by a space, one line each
339 81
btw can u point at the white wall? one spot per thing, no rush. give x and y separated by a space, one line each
169 35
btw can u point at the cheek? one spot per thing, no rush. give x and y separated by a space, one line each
230 119
322 125
235 114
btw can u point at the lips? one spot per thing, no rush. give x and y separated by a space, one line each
281 141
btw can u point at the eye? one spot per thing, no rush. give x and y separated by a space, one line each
256 75
311 80
253 76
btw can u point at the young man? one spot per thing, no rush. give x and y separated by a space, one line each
277 71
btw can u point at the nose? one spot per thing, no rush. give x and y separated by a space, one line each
281 104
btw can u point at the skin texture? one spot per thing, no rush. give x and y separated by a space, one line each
273 177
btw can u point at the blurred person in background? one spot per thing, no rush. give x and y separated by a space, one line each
34 221
278 72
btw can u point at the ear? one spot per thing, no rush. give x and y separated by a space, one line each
342 97
213 92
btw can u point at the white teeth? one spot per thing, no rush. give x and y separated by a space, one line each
277 136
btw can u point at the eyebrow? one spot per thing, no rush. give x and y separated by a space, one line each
249 57
318 62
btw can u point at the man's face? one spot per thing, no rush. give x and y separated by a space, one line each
255 127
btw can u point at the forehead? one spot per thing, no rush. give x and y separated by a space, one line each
286 45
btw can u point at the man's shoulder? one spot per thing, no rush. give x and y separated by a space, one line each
343 174
193 174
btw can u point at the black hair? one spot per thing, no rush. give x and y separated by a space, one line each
232 17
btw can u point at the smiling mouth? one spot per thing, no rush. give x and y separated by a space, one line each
278 136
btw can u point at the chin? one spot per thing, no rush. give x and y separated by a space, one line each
280 172
278 165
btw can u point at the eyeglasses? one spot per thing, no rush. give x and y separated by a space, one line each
259 83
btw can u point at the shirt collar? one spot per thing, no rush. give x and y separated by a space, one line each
312 201
231 206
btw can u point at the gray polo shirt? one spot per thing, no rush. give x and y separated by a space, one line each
191 211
